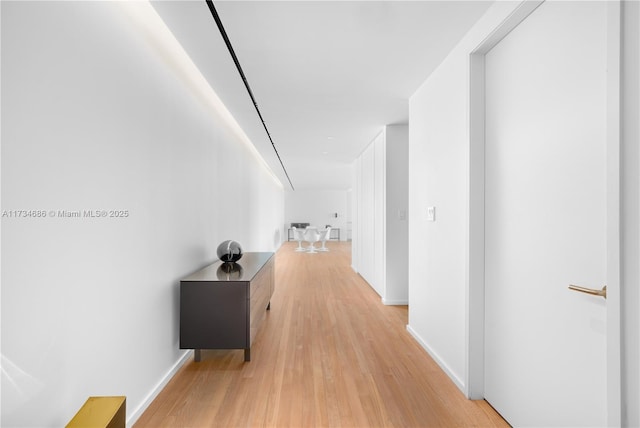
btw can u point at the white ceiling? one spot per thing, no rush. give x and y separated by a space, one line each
326 75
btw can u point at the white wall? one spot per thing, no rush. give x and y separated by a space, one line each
349 225
98 114
368 260
380 246
317 207
397 200
439 176
630 221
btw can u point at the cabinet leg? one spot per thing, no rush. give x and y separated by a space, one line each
247 354
197 355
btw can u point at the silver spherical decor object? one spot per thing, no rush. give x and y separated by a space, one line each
229 251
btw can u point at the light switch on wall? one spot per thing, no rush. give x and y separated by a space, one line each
431 213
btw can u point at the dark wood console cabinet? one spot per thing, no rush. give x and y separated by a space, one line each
222 305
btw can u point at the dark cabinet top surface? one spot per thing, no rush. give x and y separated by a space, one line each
244 269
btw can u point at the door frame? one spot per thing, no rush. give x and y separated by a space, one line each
476 238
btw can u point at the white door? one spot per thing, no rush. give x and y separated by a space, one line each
545 218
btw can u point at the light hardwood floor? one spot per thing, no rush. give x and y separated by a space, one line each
329 354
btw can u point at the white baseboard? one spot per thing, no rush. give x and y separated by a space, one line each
458 382
395 302
159 386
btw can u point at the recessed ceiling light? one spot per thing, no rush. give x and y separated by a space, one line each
325 153
330 138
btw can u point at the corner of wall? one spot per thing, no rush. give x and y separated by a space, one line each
146 402
440 361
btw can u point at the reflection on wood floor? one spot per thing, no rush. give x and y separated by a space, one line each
329 354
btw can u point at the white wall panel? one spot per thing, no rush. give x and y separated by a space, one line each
367 236
380 245
356 223
396 205
379 215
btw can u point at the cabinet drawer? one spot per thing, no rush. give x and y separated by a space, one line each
259 300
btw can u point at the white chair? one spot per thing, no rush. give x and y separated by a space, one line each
311 236
298 236
324 237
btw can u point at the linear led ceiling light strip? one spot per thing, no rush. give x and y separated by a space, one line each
216 17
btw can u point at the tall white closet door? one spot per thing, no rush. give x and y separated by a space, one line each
545 218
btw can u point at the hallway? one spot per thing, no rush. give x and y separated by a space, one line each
329 354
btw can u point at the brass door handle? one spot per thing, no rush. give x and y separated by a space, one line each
601 293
